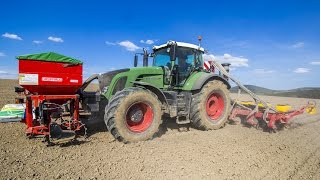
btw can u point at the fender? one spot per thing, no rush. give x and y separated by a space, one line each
204 78
153 89
88 81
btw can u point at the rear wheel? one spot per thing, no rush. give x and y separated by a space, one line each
133 114
211 106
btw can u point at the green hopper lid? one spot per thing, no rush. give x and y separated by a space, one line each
50 56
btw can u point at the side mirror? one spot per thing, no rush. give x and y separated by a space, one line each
172 52
135 62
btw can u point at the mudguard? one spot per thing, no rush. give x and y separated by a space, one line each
153 89
204 78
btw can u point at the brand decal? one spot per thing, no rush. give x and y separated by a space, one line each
51 79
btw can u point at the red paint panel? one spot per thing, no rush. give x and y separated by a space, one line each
52 77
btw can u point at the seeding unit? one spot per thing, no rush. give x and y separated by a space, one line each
259 113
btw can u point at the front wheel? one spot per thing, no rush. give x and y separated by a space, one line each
210 107
134 114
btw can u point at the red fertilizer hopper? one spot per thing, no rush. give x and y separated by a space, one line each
50 73
51 81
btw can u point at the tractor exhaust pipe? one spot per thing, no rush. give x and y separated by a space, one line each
145 57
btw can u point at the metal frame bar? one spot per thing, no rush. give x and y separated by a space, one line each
271 118
33 101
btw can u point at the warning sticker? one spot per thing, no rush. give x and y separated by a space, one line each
28 79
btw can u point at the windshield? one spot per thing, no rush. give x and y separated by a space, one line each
189 56
161 58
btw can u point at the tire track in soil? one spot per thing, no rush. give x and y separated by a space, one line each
310 165
308 161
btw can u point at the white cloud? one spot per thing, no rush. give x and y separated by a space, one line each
301 70
11 36
233 60
110 43
315 62
130 46
263 71
37 42
208 57
227 58
3 72
298 45
149 41
55 39
2 54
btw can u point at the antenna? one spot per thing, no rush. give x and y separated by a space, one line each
199 39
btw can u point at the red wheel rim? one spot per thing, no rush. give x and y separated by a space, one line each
139 117
214 106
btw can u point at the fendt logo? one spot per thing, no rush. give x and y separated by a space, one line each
51 79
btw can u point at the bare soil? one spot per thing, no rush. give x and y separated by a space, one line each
7 93
233 152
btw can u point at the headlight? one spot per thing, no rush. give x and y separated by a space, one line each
105 89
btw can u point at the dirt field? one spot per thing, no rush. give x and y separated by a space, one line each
234 152
7 93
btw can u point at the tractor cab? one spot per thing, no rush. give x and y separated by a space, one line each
179 60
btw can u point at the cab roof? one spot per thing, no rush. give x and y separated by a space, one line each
179 44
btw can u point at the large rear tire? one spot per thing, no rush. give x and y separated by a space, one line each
133 114
211 106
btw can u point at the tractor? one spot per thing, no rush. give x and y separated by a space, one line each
176 85
133 102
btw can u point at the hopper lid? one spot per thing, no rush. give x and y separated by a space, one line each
49 56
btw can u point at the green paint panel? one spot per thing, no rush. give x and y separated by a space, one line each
151 75
191 80
155 80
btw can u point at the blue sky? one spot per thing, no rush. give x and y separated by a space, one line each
274 44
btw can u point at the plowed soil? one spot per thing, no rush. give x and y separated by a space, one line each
234 152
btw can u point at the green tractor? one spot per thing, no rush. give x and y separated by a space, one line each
135 100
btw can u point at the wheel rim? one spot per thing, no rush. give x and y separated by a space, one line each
139 117
215 106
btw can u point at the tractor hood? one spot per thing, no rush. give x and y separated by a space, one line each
115 81
106 78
